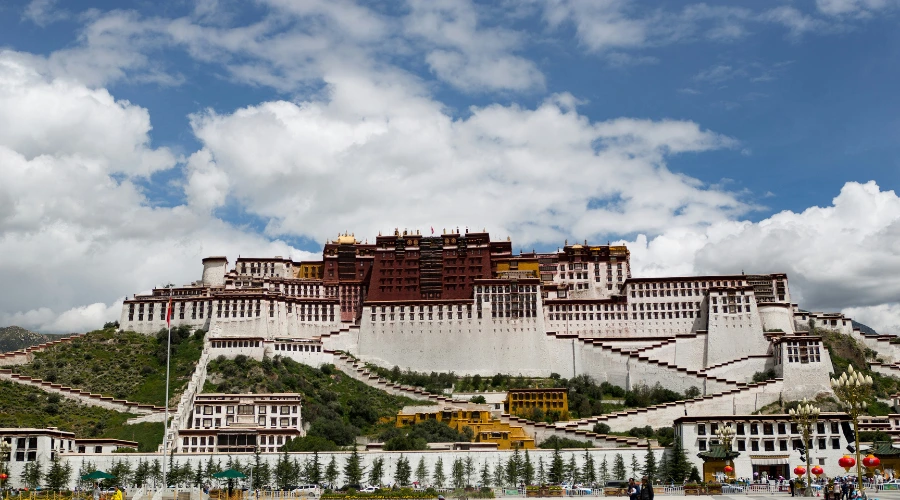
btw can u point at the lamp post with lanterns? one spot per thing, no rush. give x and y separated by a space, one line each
725 435
5 450
853 388
805 416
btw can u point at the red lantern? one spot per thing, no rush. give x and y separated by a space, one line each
3 477
817 471
871 461
728 469
847 462
799 470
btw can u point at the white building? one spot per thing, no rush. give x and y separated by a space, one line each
235 423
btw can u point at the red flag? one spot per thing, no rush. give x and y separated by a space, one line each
432 229
169 314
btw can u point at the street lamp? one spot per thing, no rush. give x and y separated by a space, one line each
5 450
805 416
853 388
725 435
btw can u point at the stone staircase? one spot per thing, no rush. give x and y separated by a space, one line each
186 402
26 355
539 430
662 415
85 397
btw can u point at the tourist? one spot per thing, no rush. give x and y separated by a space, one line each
633 489
646 492
791 486
96 491
118 494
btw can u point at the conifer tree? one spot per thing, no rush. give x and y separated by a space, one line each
588 473
694 475
458 473
604 471
402 471
331 472
527 470
513 468
542 472
438 478
485 475
650 465
57 476
664 472
572 475
499 475
198 474
284 471
619 467
353 470
376 471
555 475
635 467
156 472
421 472
679 466
314 469
470 469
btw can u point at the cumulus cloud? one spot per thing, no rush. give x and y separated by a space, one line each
311 166
836 257
74 228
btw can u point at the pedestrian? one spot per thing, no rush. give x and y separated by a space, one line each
633 489
118 494
96 491
646 492
791 486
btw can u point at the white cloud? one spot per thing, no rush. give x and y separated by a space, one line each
836 257
860 8
467 54
45 12
73 229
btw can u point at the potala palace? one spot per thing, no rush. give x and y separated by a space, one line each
461 302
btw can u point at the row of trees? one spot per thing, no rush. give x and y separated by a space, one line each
516 470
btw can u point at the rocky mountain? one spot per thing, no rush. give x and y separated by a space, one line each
13 338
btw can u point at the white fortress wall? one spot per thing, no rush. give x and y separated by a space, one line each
776 316
735 329
686 351
742 370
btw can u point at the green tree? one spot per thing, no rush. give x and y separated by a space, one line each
156 472
499 474
458 473
604 471
353 470
557 468
679 466
663 469
485 475
31 474
438 477
402 471
541 472
141 473
695 474
284 472
588 472
635 467
514 468
262 474
331 472
314 469
619 467
572 474
57 476
421 472
650 465
470 469
528 470
122 470
376 471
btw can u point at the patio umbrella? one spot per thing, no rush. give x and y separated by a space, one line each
97 474
229 474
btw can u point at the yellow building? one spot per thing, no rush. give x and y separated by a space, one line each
478 417
524 401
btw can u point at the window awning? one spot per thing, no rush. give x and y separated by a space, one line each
769 461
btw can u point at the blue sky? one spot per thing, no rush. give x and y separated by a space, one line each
710 137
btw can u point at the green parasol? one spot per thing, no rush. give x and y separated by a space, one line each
229 474
97 474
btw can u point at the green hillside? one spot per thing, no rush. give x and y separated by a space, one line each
338 407
13 338
125 365
25 406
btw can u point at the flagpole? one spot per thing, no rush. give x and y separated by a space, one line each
168 359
